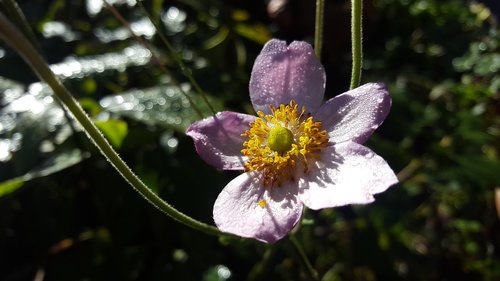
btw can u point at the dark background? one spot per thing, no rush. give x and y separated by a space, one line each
65 214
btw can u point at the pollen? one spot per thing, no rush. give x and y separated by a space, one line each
262 203
278 143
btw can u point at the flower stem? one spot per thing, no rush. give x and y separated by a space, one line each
356 39
141 41
310 269
11 35
318 27
17 16
185 70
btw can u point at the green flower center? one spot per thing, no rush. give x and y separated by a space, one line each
280 139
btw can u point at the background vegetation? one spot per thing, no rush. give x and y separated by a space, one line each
66 215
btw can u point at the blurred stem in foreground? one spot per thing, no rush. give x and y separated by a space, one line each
356 39
12 36
307 264
160 64
318 27
17 16
178 59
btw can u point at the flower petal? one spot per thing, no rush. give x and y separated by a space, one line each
348 173
218 139
354 115
282 73
248 209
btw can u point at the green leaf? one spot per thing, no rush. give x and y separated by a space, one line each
51 166
164 106
255 32
114 130
11 186
217 39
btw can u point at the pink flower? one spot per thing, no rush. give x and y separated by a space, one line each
297 151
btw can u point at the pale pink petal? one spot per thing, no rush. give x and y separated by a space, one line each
218 139
354 115
237 209
348 173
282 73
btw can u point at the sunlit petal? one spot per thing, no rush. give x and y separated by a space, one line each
218 140
248 209
348 173
354 115
282 73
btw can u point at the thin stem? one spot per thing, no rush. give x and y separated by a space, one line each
185 70
19 43
318 27
19 19
259 269
310 269
141 41
357 44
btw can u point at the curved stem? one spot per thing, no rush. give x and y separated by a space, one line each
141 41
185 70
10 34
310 269
356 38
318 27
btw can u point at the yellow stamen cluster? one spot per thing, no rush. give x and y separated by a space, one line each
280 141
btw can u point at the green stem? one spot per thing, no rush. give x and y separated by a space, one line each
141 41
19 43
318 27
185 70
356 38
310 269
19 19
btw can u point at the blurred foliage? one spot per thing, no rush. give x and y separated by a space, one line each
66 214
